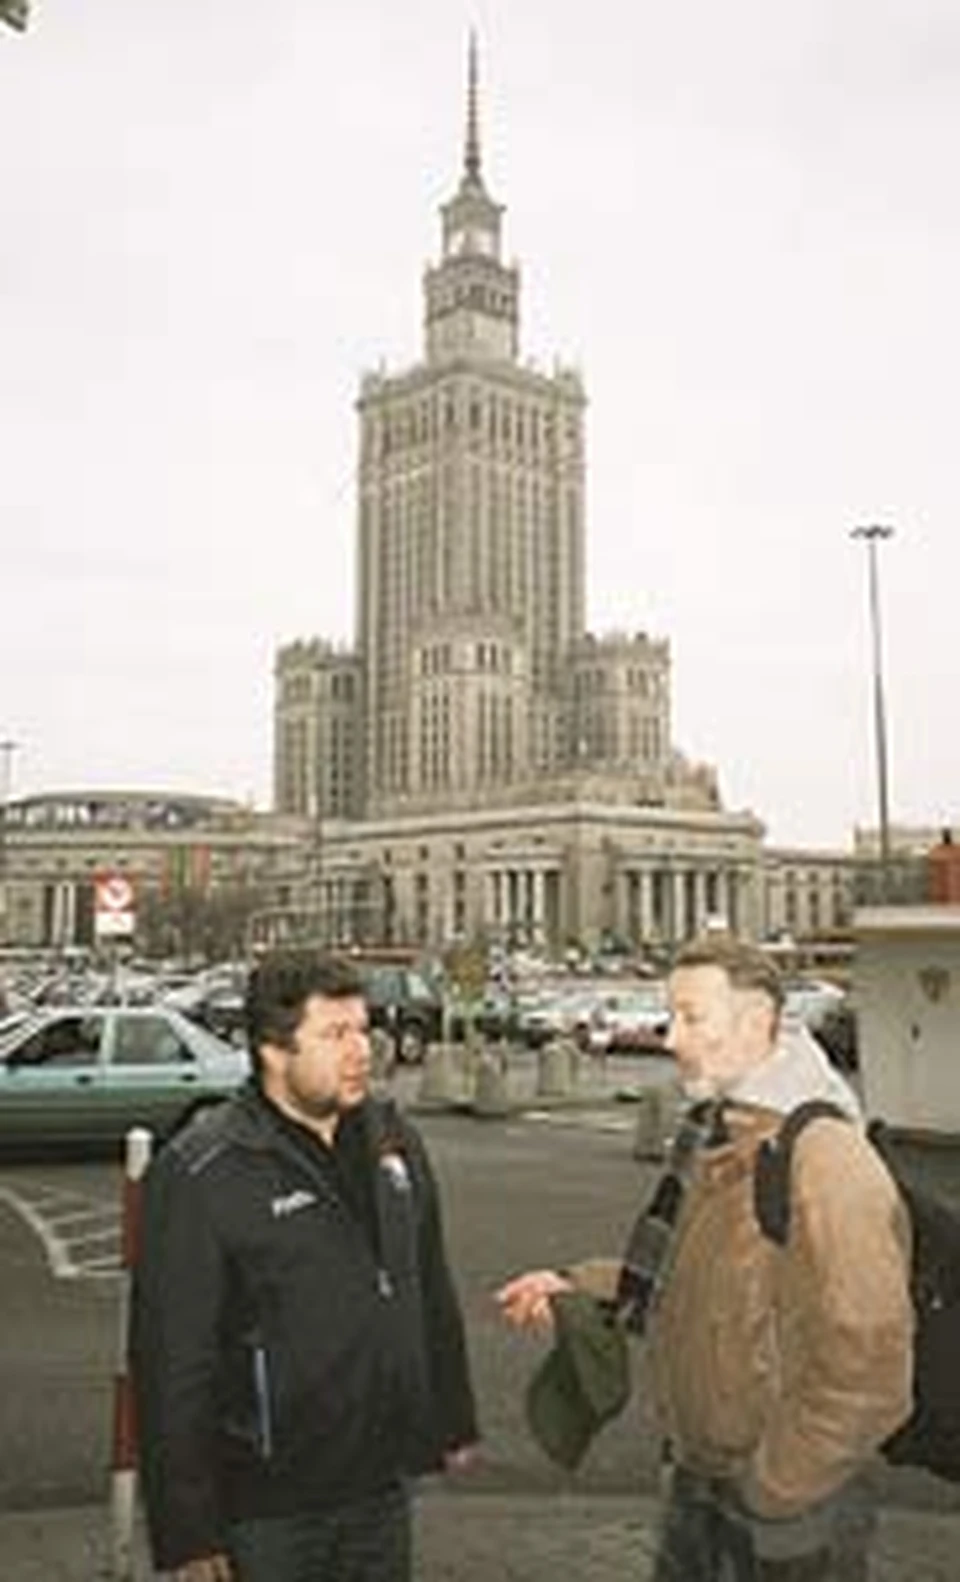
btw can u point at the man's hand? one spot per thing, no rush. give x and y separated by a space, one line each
207 1568
525 1300
460 1458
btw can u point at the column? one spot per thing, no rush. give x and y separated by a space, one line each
497 882
646 904
538 905
678 919
62 913
513 900
733 900
528 905
700 899
488 908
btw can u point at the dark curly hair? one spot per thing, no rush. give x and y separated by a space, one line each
279 988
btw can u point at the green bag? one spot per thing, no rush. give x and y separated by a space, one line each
583 1381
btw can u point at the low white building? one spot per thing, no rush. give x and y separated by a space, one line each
907 991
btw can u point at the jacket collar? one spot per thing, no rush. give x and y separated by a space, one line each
796 1070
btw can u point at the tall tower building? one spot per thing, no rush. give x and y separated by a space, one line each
479 766
470 538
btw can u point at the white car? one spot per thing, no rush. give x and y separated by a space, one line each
634 1021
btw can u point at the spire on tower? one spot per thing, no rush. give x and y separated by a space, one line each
471 157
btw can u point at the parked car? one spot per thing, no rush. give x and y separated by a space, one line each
635 1021
494 1014
837 1032
569 1013
86 1074
809 1000
828 1013
406 1005
216 1001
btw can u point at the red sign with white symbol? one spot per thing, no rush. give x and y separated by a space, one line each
113 905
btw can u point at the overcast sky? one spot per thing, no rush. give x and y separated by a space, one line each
742 222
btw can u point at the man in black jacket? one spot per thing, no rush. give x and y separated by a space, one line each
297 1344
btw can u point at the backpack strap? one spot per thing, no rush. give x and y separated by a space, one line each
771 1175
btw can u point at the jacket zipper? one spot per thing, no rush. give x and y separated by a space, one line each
261 1389
384 1282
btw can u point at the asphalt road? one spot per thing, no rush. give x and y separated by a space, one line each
517 1193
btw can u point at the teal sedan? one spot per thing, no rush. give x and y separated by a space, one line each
86 1074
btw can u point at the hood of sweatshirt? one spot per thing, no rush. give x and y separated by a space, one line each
796 1070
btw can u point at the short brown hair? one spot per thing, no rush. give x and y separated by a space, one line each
746 966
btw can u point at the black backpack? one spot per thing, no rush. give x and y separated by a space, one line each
931 1436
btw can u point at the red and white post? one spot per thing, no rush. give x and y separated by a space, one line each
137 1149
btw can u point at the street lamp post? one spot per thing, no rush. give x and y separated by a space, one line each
7 750
872 536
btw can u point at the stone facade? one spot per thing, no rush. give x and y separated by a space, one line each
537 874
808 894
318 754
174 847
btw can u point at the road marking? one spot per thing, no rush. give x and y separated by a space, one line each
64 1259
591 1120
104 1234
75 1216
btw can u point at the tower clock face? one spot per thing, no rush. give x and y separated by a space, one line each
471 239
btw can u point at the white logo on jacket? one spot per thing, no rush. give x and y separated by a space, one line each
394 1167
281 1206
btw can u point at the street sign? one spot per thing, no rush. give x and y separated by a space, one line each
114 906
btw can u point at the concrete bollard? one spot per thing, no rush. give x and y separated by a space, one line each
442 1079
575 1060
656 1119
672 1102
383 1055
490 1090
554 1071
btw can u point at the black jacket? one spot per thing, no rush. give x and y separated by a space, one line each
282 1361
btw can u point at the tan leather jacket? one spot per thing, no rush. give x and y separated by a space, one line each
783 1369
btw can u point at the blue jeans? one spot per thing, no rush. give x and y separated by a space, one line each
366 1541
704 1539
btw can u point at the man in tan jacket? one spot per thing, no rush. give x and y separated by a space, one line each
778 1371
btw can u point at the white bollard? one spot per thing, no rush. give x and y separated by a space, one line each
383 1055
138 1147
490 1096
441 1082
653 1124
554 1072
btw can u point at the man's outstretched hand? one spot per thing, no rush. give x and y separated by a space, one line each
525 1300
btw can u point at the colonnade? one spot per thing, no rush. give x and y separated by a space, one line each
673 902
520 901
